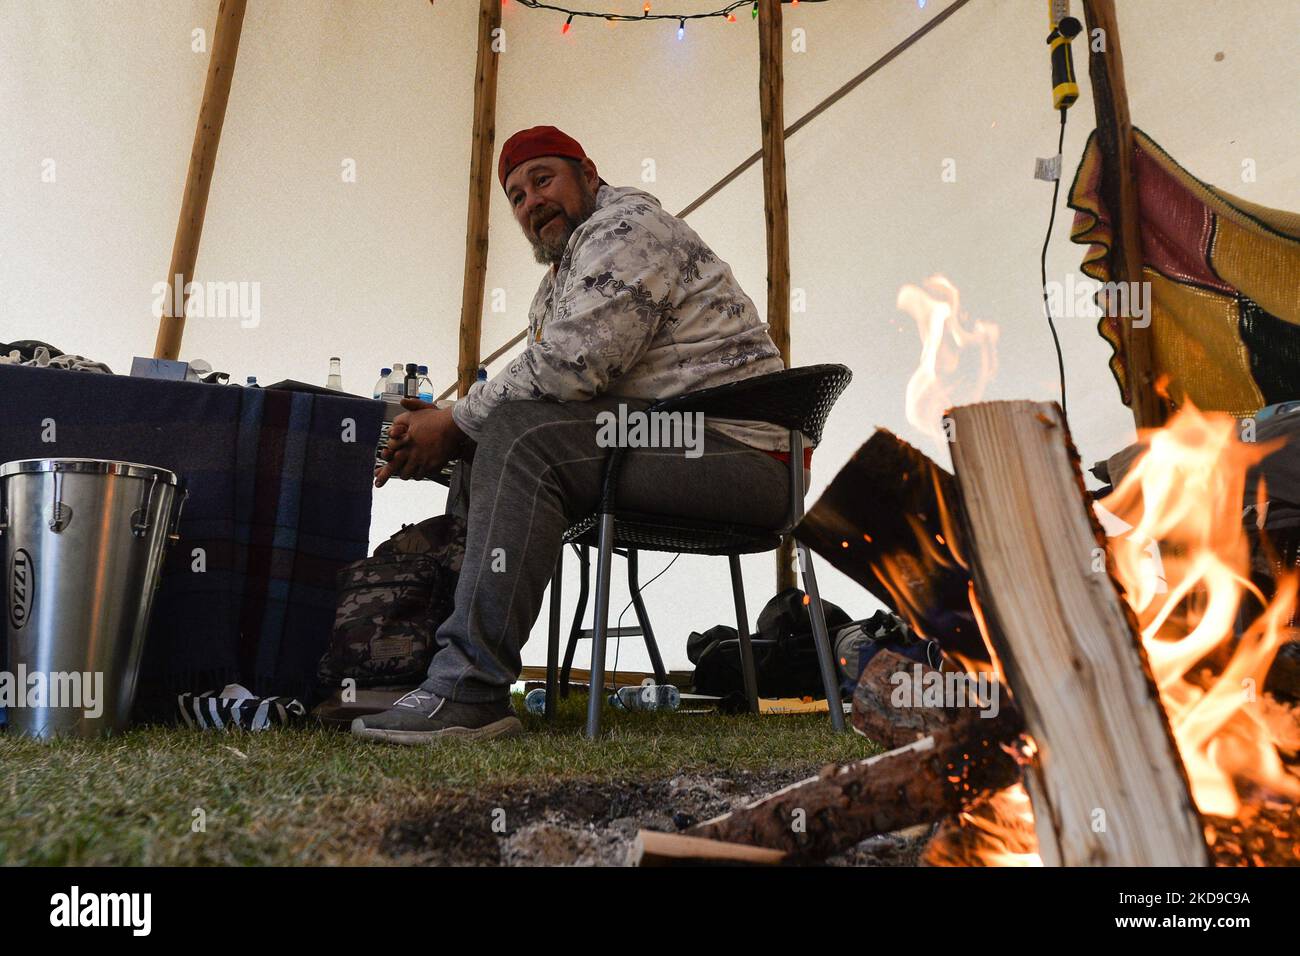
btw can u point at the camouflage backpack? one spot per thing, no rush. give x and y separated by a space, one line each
391 604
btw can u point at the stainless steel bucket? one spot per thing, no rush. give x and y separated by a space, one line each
84 542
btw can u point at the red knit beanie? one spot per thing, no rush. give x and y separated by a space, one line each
531 143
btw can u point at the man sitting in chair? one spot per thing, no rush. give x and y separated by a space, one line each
634 308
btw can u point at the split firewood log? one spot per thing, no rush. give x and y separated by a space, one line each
895 701
886 521
931 778
1107 783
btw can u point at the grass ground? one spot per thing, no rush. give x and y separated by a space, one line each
171 796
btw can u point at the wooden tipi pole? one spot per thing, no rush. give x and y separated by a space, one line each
772 109
203 158
1119 187
481 184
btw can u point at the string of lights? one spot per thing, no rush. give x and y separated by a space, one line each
647 14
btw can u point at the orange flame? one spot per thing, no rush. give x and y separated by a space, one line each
1007 828
958 355
1182 558
1186 493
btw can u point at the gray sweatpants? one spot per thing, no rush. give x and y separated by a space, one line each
536 470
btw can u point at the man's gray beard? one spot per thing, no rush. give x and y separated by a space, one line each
551 252
548 253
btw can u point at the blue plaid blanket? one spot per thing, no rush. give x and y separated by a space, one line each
279 499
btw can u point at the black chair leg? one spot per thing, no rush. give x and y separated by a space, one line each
600 626
742 631
825 656
643 618
553 637
575 631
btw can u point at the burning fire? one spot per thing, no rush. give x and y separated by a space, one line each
1186 493
1183 500
1006 828
1183 560
958 356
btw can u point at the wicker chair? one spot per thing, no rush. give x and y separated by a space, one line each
799 399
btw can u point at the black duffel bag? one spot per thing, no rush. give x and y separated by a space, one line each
785 657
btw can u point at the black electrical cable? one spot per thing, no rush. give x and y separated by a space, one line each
1047 308
618 628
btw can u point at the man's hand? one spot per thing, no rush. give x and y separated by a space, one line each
420 441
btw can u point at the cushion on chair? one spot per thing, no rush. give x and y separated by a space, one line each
676 535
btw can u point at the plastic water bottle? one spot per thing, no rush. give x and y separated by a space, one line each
535 701
251 382
335 380
647 697
396 382
426 386
381 386
392 385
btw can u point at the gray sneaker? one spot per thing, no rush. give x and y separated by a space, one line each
422 717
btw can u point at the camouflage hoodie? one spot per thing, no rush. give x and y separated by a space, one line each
639 306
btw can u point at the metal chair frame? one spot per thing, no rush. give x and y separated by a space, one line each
702 537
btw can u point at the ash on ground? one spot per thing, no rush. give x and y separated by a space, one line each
582 823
